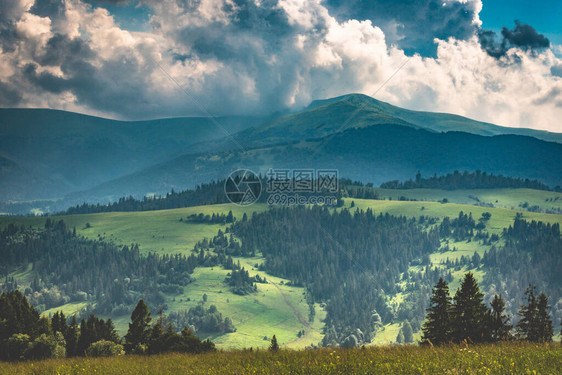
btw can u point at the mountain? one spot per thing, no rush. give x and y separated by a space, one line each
19 182
439 122
90 159
74 152
373 154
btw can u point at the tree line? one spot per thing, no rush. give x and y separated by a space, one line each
466 180
350 261
465 317
24 334
70 268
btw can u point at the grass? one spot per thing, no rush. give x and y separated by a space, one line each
505 358
277 308
156 231
499 198
501 217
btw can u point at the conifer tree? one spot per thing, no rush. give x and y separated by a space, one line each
527 326
400 337
499 321
469 313
274 346
139 328
437 327
545 328
71 337
407 332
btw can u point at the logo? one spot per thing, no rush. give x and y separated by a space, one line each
243 187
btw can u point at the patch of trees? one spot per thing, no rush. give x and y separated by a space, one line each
465 317
349 261
201 319
460 228
210 219
142 338
465 180
70 268
204 194
24 334
531 255
241 282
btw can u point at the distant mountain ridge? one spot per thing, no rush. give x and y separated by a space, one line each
93 159
75 151
439 122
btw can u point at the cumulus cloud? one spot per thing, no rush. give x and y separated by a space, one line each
259 56
413 25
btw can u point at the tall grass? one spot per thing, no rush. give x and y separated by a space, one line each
506 358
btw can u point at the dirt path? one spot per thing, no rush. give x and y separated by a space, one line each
297 314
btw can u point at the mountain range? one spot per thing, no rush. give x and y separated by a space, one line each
47 154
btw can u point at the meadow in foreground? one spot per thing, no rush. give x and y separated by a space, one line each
504 358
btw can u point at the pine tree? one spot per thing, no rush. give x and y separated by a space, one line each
71 337
527 326
544 323
407 332
499 321
437 327
274 346
469 313
400 337
139 328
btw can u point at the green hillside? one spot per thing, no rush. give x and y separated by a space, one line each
439 122
277 308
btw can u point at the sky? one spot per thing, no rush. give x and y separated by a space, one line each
498 61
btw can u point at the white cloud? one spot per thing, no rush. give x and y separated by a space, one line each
258 57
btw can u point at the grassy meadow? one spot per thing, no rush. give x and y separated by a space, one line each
277 308
506 358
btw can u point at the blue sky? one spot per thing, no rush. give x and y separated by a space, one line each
543 15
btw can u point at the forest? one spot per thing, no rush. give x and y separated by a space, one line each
350 261
24 334
71 268
466 180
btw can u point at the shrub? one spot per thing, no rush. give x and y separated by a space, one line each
104 348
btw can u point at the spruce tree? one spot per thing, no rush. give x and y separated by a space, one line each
469 313
139 328
527 326
544 323
71 337
274 346
499 321
437 327
400 337
407 332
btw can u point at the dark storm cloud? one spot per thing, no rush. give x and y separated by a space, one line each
60 49
411 24
522 36
48 8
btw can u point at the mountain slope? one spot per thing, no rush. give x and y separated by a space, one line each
376 154
439 122
76 151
